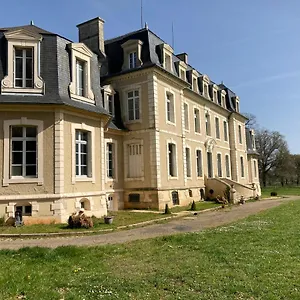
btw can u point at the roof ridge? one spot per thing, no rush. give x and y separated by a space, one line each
124 35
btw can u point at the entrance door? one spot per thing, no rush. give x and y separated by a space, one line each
110 203
209 165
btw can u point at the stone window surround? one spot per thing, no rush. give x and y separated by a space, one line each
225 123
23 39
190 162
108 91
115 158
229 164
219 129
255 169
167 50
129 47
205 83
194 117
240 134
169 91
80 51
201 160
182 68
242 159
207 114
125 114
223 102
7 146
195 76
188 116
221 170
91 149
171 141
126 160
215 93
237 104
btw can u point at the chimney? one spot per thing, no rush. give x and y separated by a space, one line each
183 57
91 33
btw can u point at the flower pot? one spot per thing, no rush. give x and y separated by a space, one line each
108 220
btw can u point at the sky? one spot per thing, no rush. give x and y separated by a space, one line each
252 46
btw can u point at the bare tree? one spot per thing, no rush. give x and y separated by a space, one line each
273 150
251 122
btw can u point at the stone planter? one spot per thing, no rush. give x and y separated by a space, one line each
108 220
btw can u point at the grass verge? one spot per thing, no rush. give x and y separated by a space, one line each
281 191
199 206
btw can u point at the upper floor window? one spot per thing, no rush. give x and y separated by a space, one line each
255 168
219 164
182 74
188 162
215 96
23 68
172 160
207 124
240 134
227 165
108 99
23 151
80 78
168 61
23 63
242 167
170 107
81 153
217 121
225 131
195 85
205 90
110 104
197 120
132 60
186 116
133 105
199 163
110 155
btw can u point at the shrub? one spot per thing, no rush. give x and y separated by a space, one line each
193 207
273 194
2 221
80 220
167 210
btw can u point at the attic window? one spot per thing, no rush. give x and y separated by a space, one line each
205 90
132 50
168 63
215 96
237 107
132 60
182 74
195 86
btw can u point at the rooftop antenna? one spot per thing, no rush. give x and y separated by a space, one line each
173 42
31 22
141 13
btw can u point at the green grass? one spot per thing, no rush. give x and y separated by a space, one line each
121 218
199 206
281 191
256 258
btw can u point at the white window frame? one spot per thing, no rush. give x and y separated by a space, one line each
219 165
115 160
132 46
207 124
217 127
186 111
132 59
24 67
188 162
201 162
126 160
7 148
225 131
108 91
195 119
126 114
80 73
255 168
80 141
175 168
227 170
172 102
91 153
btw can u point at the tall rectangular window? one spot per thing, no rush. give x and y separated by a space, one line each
207 124
186 116
132 60
217 121
110 164
170 107
240 134
80 77
188 162
110 104
135 160
133 104
168 65
225 131
23 63
172 160
227 165
242 167
197 120
24 151
199 163
81 150
195 86
219 164
255 168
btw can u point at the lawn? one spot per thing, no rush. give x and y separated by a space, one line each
199 206
255 258
281 191
121 218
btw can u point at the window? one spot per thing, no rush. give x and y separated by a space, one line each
172 160
186 116
240 134
195 86
23 68
134 198
217 121
110 160
168 65
215 96
199 163
227 165
135 160
170 107
207 124
132 60
26 210
205 90
133 102
80 78
188 162
110 104
252 139
81 148
237 106
219 164
23 151
225 131
242 167
175 198
182 74
197 120
255 168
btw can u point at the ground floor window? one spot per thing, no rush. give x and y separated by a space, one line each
175 198
26 210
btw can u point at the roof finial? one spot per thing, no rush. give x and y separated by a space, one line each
31 22
146 25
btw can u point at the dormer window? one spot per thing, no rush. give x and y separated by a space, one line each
195 85
215 96
80 86
23 63
168 62
132 60
132 52
182 74
237 104
108 96
206 90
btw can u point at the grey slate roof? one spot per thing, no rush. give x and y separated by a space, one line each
55 71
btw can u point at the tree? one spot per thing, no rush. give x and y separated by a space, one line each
251 122
273 150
